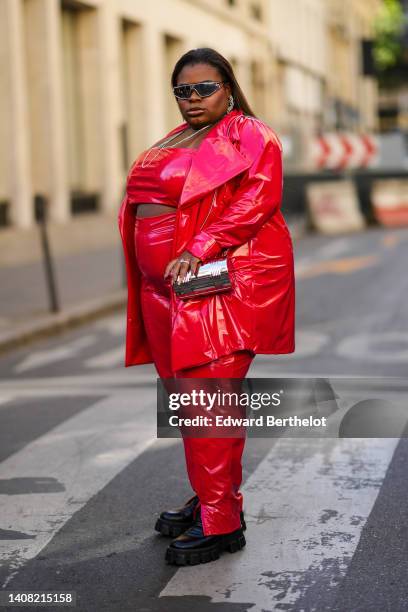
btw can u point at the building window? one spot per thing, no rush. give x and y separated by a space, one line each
234 63
255 11
80 52
172 50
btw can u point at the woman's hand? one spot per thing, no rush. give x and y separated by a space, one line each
181 265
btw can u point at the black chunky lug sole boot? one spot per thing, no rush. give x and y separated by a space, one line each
175 522
193 547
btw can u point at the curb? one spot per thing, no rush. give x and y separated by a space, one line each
69 318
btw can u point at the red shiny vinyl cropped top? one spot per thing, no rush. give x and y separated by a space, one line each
158 175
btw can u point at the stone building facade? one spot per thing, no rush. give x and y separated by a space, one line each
87 84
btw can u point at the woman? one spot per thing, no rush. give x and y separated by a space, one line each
212 185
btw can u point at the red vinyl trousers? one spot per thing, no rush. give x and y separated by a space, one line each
213 464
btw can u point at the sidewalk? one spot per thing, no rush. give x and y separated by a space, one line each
79 277
89 276
89 272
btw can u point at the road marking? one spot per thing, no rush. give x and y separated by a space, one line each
330 249
64 351
305 506
122 381
307 343
71 463
6 398
373 347
115 325
334 247
108 359
392 239
337 266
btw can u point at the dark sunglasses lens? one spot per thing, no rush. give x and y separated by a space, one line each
182 91
203 89
206 89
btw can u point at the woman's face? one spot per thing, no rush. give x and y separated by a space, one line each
212 107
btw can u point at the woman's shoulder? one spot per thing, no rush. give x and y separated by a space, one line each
249 131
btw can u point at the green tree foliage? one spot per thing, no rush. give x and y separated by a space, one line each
388 29
389 52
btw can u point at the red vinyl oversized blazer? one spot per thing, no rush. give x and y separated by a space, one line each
231 198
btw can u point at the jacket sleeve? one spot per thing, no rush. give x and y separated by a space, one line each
257 198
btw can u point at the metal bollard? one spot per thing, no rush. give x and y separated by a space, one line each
40 206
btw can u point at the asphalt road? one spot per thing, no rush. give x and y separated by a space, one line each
83 476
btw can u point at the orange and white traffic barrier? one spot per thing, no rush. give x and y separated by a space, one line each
343 150
389 199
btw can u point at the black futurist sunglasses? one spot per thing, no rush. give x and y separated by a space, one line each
203 89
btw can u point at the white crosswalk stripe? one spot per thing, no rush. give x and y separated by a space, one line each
305 507
107 359
5 398
115 325
37 359
77 459
123 381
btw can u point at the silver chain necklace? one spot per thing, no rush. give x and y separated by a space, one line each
162 144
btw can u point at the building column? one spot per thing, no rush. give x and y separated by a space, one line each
274 110
154 84
133 95
110 100
14 104
44 66
243 77
172 49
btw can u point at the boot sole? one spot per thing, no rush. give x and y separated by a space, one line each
167 528
231 542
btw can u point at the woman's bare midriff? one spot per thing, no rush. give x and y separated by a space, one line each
153 210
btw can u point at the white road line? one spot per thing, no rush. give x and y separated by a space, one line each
124 379
335 247
330 249
108 359
383 347
64 351
305 507
75 460
307 343
6 398
115 325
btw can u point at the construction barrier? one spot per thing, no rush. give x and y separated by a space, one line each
389 199
344 150
333 206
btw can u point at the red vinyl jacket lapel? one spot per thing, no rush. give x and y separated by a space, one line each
216 162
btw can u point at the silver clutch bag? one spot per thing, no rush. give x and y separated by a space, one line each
213 277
